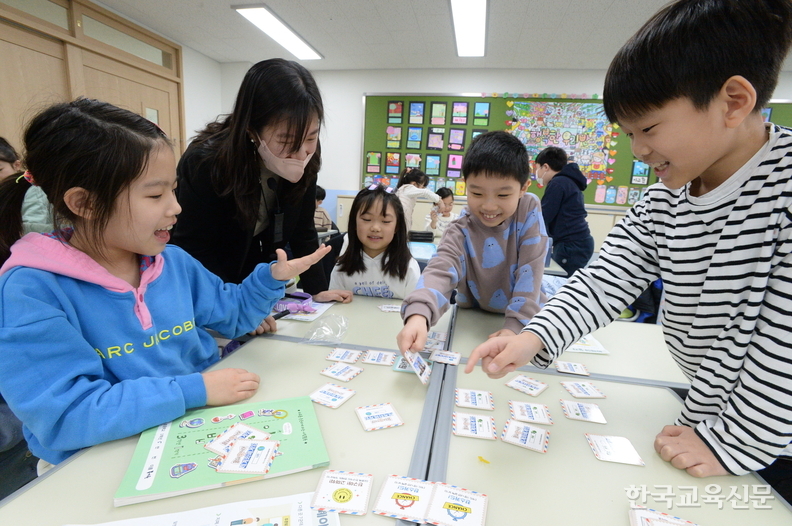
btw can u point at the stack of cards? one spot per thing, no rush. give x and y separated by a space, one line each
527 385
343 492
430 502
523 435
379 416
242 449
331 395
342 371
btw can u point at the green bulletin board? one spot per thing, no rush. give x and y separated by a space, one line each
433 132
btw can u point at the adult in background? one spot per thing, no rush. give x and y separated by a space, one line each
247 182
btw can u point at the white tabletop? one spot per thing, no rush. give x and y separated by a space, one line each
81 490
637 350
568 484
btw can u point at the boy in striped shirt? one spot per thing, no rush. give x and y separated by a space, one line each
688 89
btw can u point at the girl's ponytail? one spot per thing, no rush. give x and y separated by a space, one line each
12 195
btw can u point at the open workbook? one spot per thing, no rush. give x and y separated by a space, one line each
218 446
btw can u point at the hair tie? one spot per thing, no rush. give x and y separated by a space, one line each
374 186
27 176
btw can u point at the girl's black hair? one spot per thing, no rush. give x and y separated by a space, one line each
445 192
85 143
7 152
396 260
412 175
272 91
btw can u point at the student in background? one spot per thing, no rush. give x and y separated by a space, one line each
36 212
322 220
688 89
377 261
440 217
493 255
412 185
106 321
563 209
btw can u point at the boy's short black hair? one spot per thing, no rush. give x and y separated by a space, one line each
553 156
497 154
320 193
691 47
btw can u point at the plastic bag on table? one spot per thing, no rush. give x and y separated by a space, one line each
331 330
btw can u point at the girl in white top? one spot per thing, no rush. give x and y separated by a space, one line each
441 215
377 261
412 185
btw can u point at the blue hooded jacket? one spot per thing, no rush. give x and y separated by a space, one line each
562 205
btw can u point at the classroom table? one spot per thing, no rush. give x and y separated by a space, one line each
638 352
568 484
81 489
367 326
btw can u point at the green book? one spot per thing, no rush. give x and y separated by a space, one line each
172 459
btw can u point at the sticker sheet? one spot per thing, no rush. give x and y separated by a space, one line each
530 412
474 426
583 390
583 411
379 357
379 416
332 395
344 355
614 449
404 498
474 399
343 492
527 385
342 371
524 435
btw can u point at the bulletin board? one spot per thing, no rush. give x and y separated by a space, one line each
433 132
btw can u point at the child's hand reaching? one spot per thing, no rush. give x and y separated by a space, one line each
413 336
503 354
228 386
285 269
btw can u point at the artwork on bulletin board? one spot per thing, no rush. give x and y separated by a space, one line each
580 128
432 164
373 162
435 139
476 133
459 113
640 173
417 112
481 114
392 162
454 161
412 160
432 185
459 188
633 196
394 182
414 138
438 113
394 137
456 139
766 112
451 184
395 112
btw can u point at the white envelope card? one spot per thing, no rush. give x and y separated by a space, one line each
527 385
530 412
332 395
343 492
474 426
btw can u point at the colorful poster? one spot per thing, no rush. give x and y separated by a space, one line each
476 133
640 173
412 160
394 137
456 139
414 138
373 162
392 163
580 128
417 112
481 114
439 113
436 139
432 164
459 113
454 162
395 111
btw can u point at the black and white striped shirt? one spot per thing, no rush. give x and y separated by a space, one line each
724 258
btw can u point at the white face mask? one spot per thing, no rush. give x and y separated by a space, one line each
539 178
290 169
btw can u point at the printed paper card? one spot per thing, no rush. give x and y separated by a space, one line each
474 399
572 368
390 308
332 395
343 492
379 357
643 516
404 498
583 389
583 411
588 344
434 345
342 371
449 357
344 355
379 416
419 365
614 449
527 385
523 435
475 426
436 335
236 432
453 506
530 412
248 456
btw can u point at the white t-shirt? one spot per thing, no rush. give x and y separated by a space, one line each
442 223
374 282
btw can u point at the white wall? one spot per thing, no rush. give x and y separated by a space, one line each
202 90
